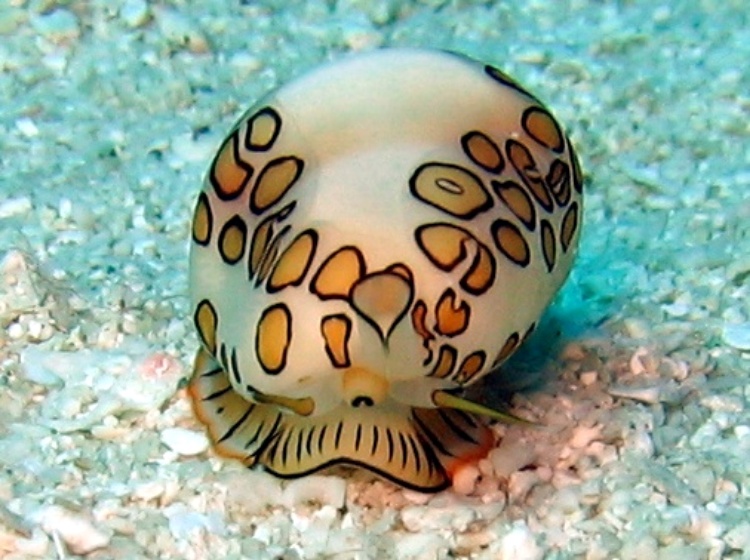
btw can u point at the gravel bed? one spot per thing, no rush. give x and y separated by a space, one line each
638 378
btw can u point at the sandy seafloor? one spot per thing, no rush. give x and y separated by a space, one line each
109 114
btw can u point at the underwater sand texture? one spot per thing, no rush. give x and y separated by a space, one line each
638 378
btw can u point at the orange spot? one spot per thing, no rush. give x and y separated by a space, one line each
540 125
444 244
445 363
293 263
511 242
481 275
259 246
548 244
482 151
523 162
418 320
452 319
273 336
232 240
229 175
275 179
450 188
569 226
336 330
510 345
262 129
205 322
558 180
269 257
516 199
339 272
471 366
202 221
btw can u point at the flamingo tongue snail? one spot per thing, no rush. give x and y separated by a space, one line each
371 238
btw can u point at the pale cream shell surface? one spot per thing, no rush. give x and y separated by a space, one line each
362 127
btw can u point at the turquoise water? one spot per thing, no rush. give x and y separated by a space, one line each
109 116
